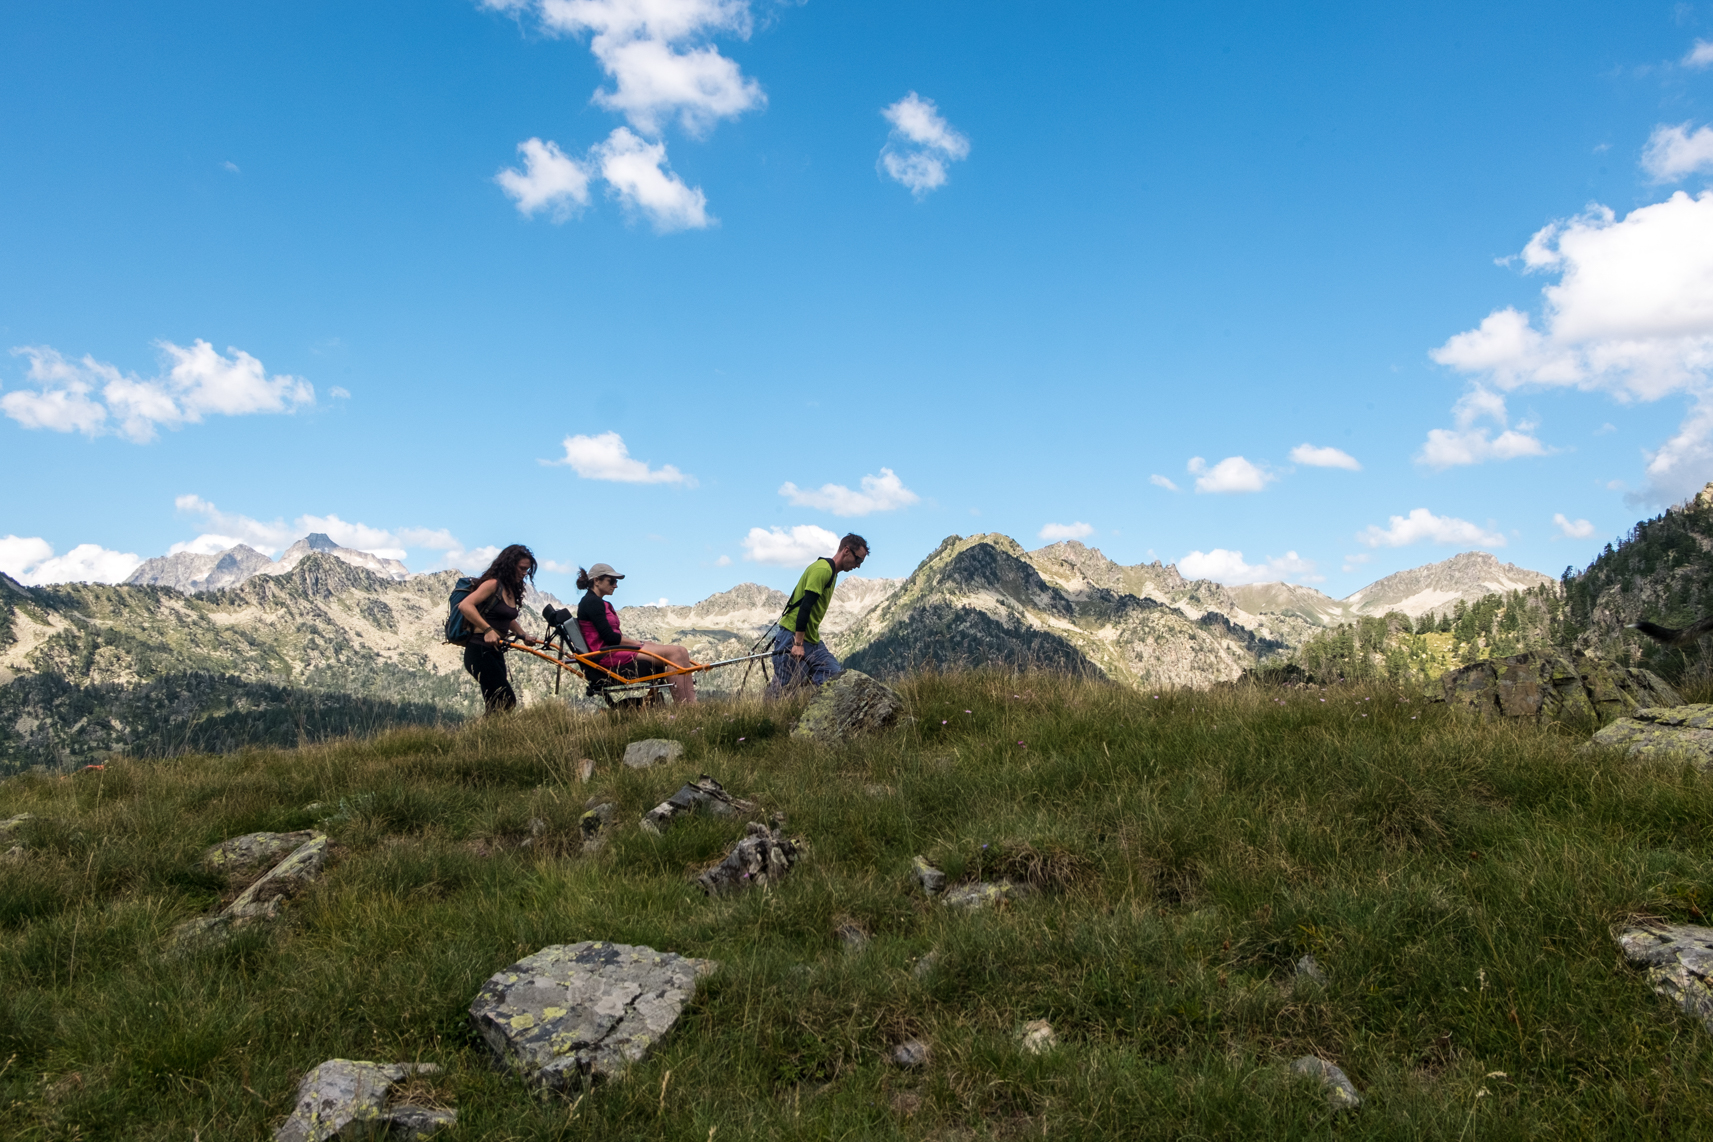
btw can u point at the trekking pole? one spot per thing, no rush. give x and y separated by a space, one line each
764 636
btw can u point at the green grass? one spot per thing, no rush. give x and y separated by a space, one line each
1458 883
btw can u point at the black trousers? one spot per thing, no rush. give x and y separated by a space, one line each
488 668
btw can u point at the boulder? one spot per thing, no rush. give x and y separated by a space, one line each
1038 1037
1340 1091
574 1011
930 878
762 858
1679 963
981 894
1684 733
703 793
912 1054
848 705
241 856
1543 686
343 1098
651 751
593 825
262 900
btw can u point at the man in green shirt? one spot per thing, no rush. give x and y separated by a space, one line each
799 655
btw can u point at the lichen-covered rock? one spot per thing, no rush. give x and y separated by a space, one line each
1548 686
652 751
1340 1091
11 825
930 878
850 704
587 1009
262 900
1673 732
240 856
762 858
344 1098
1679 963
981 894
703 793
593 825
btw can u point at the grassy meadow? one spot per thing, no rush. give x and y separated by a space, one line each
1458 884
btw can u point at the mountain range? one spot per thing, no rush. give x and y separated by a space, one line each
223 650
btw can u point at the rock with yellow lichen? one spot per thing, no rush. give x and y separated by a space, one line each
574 1011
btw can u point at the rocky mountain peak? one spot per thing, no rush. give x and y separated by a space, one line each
1437 587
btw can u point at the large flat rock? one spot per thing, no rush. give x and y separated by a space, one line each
573 1011
1668 732
1545 686
346 1099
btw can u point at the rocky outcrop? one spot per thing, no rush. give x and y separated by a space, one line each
238 857
1549 686
760 859
1679 963
575 1011
346 1099
1674 732
980 894
1436 588
705 794
260 902
850 705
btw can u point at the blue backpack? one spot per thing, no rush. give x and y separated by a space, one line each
457 629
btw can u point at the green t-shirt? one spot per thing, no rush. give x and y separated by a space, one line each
819 579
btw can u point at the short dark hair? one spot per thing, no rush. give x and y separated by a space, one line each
853 541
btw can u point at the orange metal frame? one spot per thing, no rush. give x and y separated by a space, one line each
589 660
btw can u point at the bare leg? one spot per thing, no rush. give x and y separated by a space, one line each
683 686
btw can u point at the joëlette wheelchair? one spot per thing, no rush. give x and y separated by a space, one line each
637 682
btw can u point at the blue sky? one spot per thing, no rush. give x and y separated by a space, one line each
662 283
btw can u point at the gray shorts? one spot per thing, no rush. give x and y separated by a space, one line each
815 667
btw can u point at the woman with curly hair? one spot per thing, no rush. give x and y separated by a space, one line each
493 608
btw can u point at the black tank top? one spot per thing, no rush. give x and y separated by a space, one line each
498 614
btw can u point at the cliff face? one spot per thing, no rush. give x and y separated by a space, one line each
985 601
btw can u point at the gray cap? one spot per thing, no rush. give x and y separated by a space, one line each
602 569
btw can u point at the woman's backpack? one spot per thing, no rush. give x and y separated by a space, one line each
457 629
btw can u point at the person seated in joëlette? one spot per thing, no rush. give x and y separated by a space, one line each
491 610
600 625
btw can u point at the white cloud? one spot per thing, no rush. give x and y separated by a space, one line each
1160 481
551 180
1232 474
605 457
1229 567
33 563
921 145
789 547
198 382
1675 151
724 561
1352 562
882 493
1630 315
1422 525
636 171
1057 531
657 54
1469 443
1312 457
1700 55
1573 529
228 529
